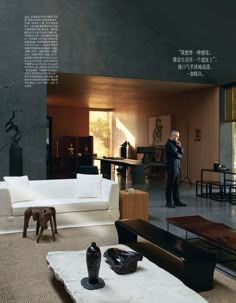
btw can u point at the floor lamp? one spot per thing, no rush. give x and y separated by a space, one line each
187 179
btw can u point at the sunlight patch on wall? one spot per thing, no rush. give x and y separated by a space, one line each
125 133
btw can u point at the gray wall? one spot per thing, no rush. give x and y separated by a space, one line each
96 37
114 38
32 101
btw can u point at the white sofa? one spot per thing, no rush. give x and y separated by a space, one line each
61 194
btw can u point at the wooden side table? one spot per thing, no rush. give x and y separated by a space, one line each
133 205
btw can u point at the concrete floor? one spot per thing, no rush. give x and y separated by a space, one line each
222 212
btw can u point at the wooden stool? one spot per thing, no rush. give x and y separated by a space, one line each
42 215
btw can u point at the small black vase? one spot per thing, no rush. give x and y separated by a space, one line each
93 260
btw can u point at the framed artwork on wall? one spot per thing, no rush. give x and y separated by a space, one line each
159 129
197 134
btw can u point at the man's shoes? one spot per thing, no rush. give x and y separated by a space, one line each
170 205
180 204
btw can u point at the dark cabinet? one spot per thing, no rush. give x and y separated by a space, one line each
67 146
72 153
85 151
85 145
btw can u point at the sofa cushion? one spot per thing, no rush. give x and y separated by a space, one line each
62 205
88 186
53 189
19 188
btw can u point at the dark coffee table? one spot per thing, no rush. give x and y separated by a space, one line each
181 258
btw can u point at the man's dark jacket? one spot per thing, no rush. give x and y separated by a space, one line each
174 153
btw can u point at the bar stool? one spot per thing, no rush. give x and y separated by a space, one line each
205 188
232 194
221 193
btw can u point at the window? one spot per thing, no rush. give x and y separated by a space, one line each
100 129
234 146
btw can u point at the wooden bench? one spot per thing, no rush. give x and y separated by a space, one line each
223 236
193 265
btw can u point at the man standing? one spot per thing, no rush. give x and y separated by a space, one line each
174 152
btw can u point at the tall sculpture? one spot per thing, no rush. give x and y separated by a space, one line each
15 152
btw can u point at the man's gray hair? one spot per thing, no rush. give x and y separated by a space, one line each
174 132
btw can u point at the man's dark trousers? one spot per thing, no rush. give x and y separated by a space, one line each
172 188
